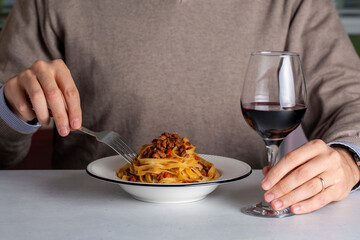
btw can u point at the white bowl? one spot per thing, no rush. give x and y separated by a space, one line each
230 170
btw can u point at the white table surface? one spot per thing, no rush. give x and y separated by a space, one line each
70 204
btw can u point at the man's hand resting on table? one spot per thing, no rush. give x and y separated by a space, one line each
295 180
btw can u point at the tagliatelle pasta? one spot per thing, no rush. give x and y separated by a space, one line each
168 159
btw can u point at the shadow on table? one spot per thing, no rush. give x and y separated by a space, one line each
78 186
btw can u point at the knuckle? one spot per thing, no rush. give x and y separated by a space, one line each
322 200
58 62
21 107
60 119
39 66
282 187
335 156
319 144
36 94
71 92
289 158
308 207
302 172
314 186
59 116
52 94
290 199
26 74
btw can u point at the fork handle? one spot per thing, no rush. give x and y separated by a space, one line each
88 131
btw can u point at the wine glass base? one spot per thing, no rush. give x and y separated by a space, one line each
264 209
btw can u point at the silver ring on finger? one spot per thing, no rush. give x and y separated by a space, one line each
323 185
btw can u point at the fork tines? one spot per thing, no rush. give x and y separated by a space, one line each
120 145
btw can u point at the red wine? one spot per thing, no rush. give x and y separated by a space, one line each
272 121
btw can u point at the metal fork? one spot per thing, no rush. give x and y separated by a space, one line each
115 141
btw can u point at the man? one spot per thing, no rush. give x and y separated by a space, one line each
145 67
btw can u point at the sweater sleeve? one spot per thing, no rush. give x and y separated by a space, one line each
27 36
332 72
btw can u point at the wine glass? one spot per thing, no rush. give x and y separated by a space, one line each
273 103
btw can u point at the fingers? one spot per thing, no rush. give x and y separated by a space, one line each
316 202
17 101
296 178
36 96
305 191
46 86
71 95
291 161
54 97
265 170
61 94
302 189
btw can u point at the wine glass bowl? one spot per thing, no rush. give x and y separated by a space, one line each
270 120
273 103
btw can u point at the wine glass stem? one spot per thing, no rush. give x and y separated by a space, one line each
263 208
272 151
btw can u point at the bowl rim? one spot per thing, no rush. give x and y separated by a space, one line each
195 184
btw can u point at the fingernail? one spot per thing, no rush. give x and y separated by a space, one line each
266 185
278 204
76 123
296 208
269 197
63 131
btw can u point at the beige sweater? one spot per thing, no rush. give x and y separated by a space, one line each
145 67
